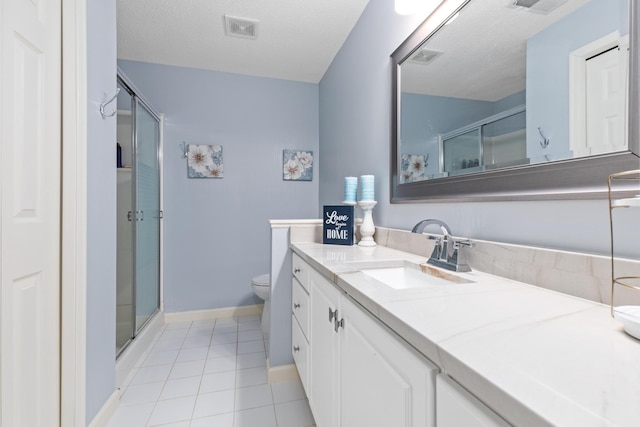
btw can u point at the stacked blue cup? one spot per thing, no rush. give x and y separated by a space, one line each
350 189
367 187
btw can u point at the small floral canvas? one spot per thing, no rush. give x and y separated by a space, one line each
412 167
297 165
204 161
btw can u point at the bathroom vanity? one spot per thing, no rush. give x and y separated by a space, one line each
379 342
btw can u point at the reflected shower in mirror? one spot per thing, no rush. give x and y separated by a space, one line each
497 79
492 85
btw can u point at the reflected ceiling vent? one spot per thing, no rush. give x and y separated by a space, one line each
425 56
240 27
543 7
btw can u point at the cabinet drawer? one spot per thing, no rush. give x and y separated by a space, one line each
300 351
300 271
300 306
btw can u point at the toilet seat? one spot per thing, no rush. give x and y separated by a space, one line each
262 280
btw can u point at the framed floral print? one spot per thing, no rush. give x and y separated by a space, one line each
297 165
204 161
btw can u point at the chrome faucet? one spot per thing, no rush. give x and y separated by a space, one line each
446 249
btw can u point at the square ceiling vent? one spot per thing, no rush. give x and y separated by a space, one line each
240 27
425 56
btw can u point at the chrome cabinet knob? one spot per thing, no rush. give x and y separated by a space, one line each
296 348
296 305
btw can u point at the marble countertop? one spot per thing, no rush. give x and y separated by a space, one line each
535 356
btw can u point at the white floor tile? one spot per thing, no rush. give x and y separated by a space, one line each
180 387
227 338
208 323
220 364
253 335
131 415
262 417
220 350
174 334
286 391
172 410
169 344
187 369
151 374
251 376
209 374
247 319
222 420
218 382
225 329
160 357
141 393
177 325
253 397
251 360
294 414
249 326
191 354
250 347
196 341
219 402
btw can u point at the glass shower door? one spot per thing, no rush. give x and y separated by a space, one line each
147 196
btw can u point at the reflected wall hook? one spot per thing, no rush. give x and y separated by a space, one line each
545 141
184 150
104 104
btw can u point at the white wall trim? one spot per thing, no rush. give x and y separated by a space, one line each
74 215
108 409
280 373
216 313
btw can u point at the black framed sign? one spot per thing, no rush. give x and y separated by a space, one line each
338 225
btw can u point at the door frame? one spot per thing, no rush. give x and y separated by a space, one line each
74 215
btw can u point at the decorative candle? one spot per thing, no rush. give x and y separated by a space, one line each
350 189
366 189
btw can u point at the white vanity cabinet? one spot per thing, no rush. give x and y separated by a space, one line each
361 373
457 407
300 320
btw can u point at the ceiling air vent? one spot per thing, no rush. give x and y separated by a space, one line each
425 56
543 7
240 27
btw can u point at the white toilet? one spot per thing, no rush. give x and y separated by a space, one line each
261 286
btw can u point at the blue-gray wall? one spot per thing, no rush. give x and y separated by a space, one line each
355 129
101 209
217 235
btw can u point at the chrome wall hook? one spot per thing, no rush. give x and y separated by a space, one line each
104 104
545 141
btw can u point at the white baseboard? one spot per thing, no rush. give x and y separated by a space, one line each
104 414
277 374
216 313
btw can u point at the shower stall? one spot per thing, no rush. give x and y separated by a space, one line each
139 214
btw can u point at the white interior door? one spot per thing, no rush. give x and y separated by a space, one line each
606 87
30 117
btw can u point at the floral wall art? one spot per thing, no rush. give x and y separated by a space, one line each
297 165
412 167
204 161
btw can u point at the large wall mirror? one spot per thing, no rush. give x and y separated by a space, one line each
516 100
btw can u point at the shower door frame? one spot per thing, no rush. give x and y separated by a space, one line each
137 98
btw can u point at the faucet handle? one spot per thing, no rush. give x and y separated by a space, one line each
466 242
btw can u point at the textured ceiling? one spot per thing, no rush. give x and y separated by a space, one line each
297 39
484 51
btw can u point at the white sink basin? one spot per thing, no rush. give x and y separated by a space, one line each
407 277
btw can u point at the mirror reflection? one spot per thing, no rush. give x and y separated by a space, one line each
506 83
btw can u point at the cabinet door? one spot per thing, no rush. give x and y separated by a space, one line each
456 407
384 381
324 346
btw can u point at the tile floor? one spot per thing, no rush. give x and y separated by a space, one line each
209 374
